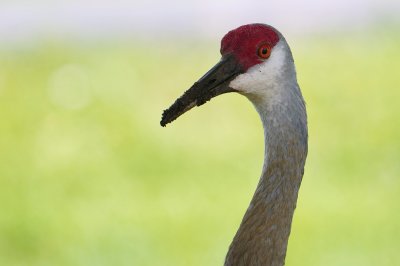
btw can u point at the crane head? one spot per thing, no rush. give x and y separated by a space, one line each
252 55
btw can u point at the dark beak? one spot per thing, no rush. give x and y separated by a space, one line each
213 83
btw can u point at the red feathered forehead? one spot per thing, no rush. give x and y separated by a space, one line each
244 41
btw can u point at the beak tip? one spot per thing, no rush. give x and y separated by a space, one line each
163 123
164 120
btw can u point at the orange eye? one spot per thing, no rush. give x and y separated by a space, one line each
264 51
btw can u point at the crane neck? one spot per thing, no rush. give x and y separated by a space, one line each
263 235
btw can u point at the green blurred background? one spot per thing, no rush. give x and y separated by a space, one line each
88 177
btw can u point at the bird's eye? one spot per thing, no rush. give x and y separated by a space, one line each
264 51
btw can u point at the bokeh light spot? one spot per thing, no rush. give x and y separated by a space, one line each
69 87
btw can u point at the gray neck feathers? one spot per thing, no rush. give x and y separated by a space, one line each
263 234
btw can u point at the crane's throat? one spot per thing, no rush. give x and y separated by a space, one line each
263 235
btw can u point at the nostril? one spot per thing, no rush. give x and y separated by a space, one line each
211 81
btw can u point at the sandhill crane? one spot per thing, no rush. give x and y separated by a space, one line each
257 63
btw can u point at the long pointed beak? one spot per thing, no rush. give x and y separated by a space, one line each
213 83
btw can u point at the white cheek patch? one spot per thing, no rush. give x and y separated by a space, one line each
259 78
